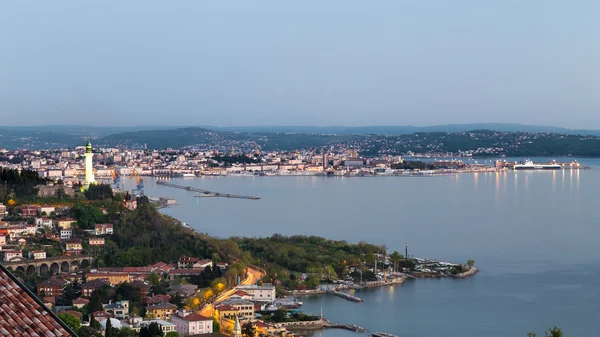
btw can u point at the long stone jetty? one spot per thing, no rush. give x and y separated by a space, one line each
345 296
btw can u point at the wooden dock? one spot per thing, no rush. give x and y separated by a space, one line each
205 193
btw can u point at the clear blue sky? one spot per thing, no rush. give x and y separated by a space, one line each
384 62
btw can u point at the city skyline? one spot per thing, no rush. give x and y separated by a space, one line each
321 64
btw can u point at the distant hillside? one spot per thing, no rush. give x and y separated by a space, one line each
408 129
371 141
477 142
204 138
11 138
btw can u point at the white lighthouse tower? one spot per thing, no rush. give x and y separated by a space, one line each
89 166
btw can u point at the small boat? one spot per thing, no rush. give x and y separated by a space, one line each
382 334
188 175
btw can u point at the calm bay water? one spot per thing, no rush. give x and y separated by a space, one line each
534 236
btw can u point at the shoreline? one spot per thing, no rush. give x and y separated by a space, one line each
377 284
468 273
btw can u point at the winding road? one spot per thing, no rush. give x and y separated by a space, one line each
253 274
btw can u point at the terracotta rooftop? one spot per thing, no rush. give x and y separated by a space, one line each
226 307
161 306
158 299
23 314
139 284
96 283
52 282
81 301
194 317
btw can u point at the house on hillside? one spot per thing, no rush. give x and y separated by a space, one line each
160 311
52 287
37 254
188 262
12 255
104 229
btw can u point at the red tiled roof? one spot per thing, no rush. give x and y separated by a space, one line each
226 307
188 259
49 299
242 293
96 283
139 284
102 314
161 306
167 267
52 282
186 271
23 314
157 265
193 317
137 269
81 301
157 299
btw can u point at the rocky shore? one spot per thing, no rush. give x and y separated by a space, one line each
468 273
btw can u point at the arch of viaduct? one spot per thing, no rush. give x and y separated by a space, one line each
51 265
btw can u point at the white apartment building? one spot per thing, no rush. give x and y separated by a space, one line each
188 324
264 293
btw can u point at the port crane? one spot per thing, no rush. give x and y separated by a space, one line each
116 178
139 181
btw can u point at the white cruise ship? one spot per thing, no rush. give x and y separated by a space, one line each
529 165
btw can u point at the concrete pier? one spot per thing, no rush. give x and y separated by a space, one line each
205 193
345 296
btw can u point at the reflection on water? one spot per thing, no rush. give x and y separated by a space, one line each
529 238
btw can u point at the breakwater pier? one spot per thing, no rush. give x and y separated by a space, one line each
205 193
345 296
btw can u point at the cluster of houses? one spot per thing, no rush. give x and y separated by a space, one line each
45 220
242 305
158 309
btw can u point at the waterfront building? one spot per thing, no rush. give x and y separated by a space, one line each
244 308
264 293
